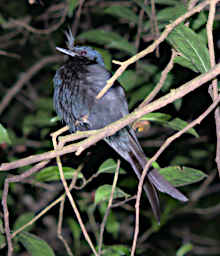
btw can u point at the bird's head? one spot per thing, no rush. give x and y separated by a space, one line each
83 51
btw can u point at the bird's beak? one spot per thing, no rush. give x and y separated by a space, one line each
67 52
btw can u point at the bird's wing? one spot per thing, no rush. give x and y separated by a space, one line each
112 106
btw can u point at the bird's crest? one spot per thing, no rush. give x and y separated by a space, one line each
70 39
83 51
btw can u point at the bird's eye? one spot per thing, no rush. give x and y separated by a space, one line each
83 53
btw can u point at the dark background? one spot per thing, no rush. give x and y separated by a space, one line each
29 34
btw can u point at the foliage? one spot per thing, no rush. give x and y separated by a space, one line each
29 34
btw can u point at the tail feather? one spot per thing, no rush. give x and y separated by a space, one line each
132 152
131 157
155 178
149 188
164 186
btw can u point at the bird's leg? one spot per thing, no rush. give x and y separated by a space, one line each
62 140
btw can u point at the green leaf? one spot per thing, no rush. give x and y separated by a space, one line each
185 62
72 6
178 103
122 12
103 193
189 44
75 228
1 226
55 119
109 39
115 250
2 20
156 117
128 79
140 94
51 173
199 21
184 249
35 245
167 83
4 137
178 124
112 225
109 166
22 220
107 57
2 241
171 13
44 104
33 121
167 2
181 176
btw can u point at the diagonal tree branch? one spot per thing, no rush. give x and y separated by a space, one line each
114 127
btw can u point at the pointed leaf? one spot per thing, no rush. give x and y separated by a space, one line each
75 228
115 250
122 12
4 138
140 94
55 119
1 227
161 2
181 176
128 79
72 6
171 13
22 220
156 117
103 193
178 103
51 173
35 245
184 249
189 44
2 241
185 62
109 166
199 21
109 39
178 124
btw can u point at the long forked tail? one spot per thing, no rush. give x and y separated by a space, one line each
153 175
132 152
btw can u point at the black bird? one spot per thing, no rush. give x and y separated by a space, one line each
76 85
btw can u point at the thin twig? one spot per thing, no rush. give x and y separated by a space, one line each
214 93
123 202
60 221
23 24
9 54
154 23
163 77
102 227
59 228
140 24
77 17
